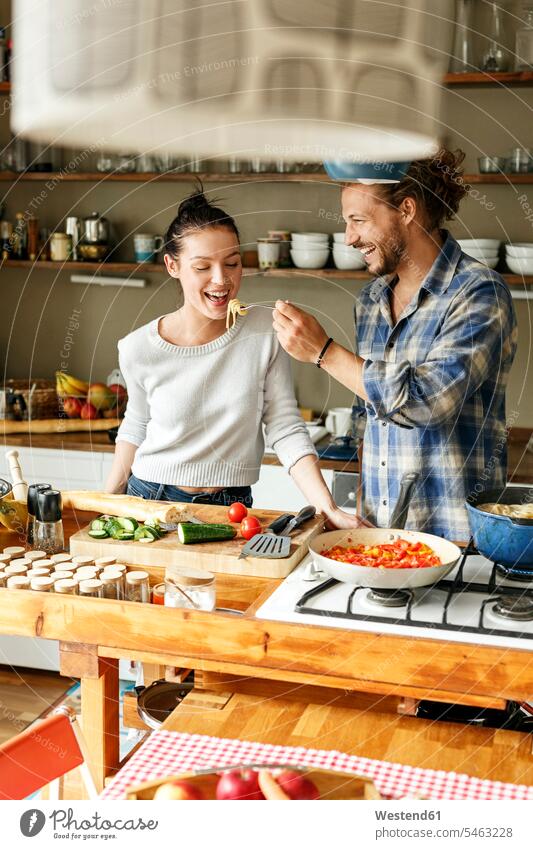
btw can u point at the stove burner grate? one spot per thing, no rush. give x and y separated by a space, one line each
388 598
515 573
516 608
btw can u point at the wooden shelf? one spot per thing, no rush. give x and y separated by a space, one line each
5 88
508 78
513 280
307 177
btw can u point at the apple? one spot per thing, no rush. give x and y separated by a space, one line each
72 407
88 411
118 390
296 785
100 396
182 790
239 784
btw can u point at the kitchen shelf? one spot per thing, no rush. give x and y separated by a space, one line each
206 177
321 273
507 78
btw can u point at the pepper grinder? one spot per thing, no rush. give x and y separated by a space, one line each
20 487
48 528
32 509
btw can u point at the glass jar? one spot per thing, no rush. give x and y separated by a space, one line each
18 582
5 560
15 551
158 594
17 567
66 586
189 588
37 555
3 578
60 558
112 583
92 588
42 563
137 586
462 58
495 57
60 247
82 560
62 575
38 572
86 573
524 42
42 584
103 562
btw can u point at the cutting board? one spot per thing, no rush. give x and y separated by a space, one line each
212 556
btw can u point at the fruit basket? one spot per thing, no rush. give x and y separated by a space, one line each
40 397
203 784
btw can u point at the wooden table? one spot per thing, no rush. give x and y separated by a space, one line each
242 653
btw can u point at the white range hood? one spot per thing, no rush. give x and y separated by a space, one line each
303 80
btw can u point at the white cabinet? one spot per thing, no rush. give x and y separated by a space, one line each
62 469
276 490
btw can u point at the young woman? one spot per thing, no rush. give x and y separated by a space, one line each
199 394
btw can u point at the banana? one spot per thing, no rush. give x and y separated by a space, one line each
68 385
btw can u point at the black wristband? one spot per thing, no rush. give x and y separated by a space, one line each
323 351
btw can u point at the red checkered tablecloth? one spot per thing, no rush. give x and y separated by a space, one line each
170 752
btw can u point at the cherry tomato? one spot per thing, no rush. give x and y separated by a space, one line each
237 512
250 527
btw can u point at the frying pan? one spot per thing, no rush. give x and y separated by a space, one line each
378 578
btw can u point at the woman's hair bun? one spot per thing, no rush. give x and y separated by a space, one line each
192 205
196 212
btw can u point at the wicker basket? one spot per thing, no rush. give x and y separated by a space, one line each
44 402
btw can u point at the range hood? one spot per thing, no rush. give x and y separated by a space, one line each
302 80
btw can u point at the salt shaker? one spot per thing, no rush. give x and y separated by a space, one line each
32 508
48 528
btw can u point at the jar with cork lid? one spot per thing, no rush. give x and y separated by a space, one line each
137 586
189 588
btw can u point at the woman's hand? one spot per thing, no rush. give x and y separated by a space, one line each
298 332
339 519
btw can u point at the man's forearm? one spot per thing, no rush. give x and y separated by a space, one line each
345 367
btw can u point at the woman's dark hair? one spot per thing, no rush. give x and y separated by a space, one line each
196 212
436 184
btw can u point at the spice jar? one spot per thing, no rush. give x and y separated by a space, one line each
92 588
158 594
60 247
102 562
3 579
18 582
189 588
17 567
58 559
43 563
42 584
35 555
137 586
5 560
86 573
67 587
39 572
62 575
48 528
15 551
112 583
82 560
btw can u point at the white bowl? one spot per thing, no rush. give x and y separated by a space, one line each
309 258
304 238
339 237
480 244
348 258
482 254
520 264
520 249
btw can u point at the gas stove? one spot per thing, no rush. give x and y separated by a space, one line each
477 603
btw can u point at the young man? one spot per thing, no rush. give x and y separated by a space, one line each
435 339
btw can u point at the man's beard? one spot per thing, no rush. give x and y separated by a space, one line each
393 250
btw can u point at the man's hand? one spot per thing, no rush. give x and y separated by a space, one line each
298 332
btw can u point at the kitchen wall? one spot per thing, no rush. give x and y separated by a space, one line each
37 305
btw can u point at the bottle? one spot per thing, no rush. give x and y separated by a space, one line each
33 237
20 237
524 42
4 57
48 528
6 239
495 57
33 489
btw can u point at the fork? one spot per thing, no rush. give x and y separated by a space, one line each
265 306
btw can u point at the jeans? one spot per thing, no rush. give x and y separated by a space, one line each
166 492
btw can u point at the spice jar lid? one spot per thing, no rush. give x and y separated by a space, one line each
83 560
62 576
105 561
14 550
110 576
49 505
136 577
86 573
33 489
21 561
61 558
39 570
18 582
5 559
42 584
43 562
13 569
89 586
188 577
35 555
121 567
67 585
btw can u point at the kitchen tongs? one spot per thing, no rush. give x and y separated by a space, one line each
270 544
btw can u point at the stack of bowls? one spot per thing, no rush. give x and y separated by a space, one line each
344 256
519 257
484 250
309 250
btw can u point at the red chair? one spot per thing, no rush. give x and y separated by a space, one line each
43 754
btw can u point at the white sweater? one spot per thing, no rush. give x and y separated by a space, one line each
196 413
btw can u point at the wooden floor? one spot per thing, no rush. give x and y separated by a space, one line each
25 695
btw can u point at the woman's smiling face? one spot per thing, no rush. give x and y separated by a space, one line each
209 268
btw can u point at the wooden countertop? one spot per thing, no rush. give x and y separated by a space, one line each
520 461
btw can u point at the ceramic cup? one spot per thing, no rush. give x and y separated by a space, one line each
268 251
146 246
339 420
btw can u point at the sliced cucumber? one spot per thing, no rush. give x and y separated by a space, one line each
112 526
98 533
98 525
124 535
129 525
143 533
189 532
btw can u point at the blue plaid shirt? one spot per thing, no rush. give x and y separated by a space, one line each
436 388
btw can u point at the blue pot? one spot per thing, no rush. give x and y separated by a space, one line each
502 539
